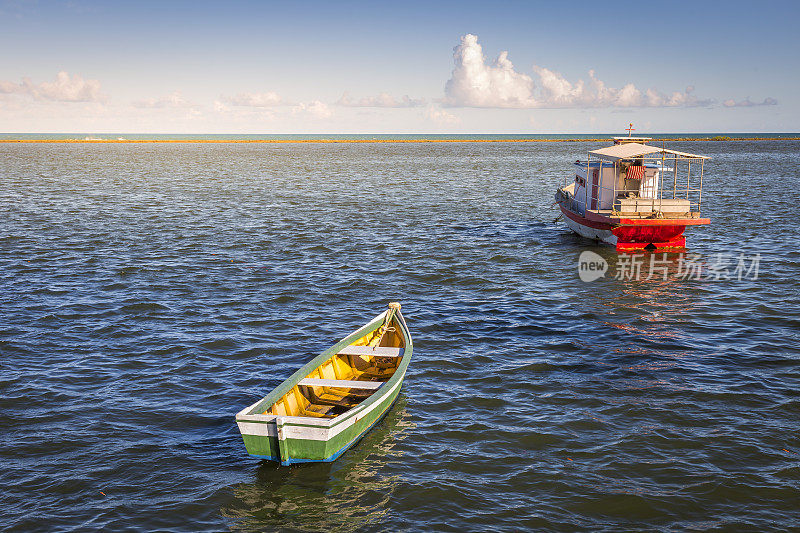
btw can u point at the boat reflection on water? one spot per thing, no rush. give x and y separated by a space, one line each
650 316
343 495
652 298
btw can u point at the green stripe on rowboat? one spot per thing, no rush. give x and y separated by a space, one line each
260 445
318 450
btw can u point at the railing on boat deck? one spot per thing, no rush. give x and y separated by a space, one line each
686 186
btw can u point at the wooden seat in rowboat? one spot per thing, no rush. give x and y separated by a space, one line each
340 383
377 351
339 392
319 411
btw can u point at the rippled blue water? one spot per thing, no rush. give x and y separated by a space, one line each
149 292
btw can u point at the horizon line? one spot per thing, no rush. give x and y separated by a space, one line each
719 138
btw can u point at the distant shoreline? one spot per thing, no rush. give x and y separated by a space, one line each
362 141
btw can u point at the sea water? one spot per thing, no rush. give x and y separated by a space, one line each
150 292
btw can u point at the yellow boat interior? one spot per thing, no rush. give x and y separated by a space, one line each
346 379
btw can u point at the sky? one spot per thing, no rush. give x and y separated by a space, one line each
398 67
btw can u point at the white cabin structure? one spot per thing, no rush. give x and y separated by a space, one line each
632 183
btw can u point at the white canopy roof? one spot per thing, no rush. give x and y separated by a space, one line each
686 154
633 150
623 151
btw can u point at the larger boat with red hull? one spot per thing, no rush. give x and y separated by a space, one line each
634 195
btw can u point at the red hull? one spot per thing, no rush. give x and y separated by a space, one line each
642 237
638 234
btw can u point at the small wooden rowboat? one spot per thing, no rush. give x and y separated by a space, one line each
334 399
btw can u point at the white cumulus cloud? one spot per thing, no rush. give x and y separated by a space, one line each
474 83
381 100
65 88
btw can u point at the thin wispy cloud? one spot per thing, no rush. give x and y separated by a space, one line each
246 113
476 83
440 116
315 109
267 99
173 101
749 103
65 88
269 106
381 100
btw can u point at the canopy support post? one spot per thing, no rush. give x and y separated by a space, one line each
614 197
586 200
700 195
675 180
